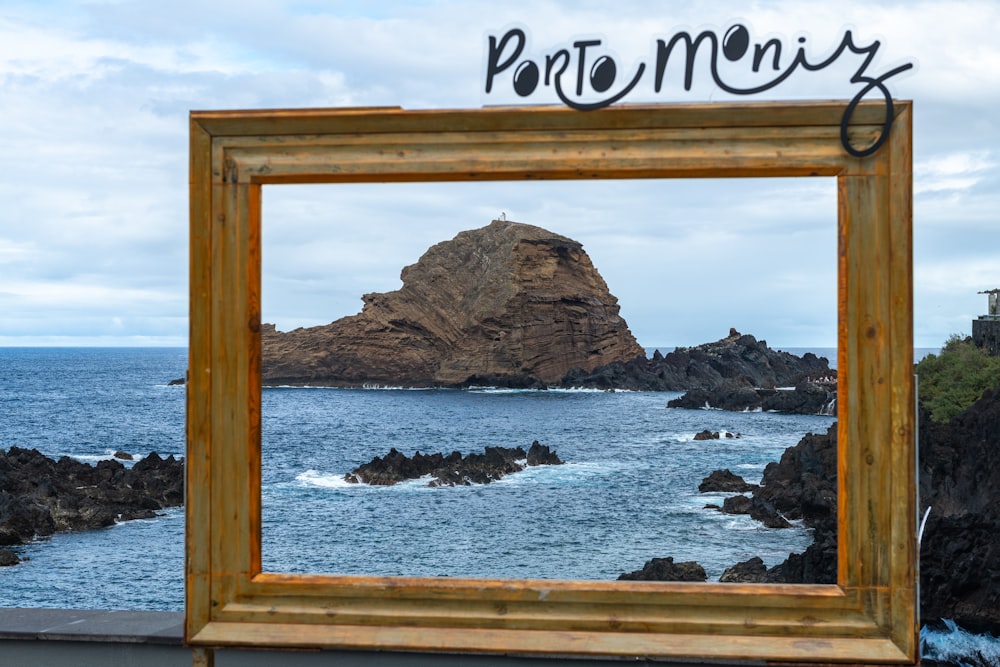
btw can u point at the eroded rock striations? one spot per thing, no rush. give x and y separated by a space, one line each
39 495
506 303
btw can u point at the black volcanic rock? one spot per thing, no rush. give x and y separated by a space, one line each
752 571
803 483
959 479
665 569
39 495
453 469
8 558
542 455
736 361
808 397
758 509
737 505
960 482
767 514
724 481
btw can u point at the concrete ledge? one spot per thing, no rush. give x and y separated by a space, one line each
93 625
90 637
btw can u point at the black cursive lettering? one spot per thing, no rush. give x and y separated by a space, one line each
494 66
734 46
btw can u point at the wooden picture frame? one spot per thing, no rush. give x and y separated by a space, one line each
869 616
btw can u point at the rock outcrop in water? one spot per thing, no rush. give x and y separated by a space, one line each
453 469
39 495
738 361
724 481
507 303
808 397
665 569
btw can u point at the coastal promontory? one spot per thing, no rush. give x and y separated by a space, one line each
508 303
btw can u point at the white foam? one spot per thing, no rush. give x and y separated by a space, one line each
958 646
159 515
364 387
554 390
87 458
108 455
567 472
689 437
315 478
389 387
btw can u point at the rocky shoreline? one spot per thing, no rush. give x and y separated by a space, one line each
738 373
959 473
735 361
808 397
40 496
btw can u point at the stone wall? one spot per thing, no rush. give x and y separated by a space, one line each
986 334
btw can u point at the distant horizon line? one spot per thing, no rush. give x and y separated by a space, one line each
175 343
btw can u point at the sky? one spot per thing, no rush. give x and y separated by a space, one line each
94 104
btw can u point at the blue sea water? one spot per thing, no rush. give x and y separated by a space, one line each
89 403
627 493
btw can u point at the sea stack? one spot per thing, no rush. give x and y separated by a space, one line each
506 303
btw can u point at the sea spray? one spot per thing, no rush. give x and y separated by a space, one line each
954 645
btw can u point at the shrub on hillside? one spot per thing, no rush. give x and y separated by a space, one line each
952 381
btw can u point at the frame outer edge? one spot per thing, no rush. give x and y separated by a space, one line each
223 358
906 554
197 524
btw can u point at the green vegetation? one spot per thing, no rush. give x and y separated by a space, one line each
955 379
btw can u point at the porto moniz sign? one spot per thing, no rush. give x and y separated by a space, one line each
596 74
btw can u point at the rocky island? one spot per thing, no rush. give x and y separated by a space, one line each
515 305
508 304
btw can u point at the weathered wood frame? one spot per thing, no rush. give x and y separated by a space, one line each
870 616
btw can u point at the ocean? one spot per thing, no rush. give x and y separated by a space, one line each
626 493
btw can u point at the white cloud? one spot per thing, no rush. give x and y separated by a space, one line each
94 100
954 171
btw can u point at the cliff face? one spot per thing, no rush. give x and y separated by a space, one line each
507 300
959 481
